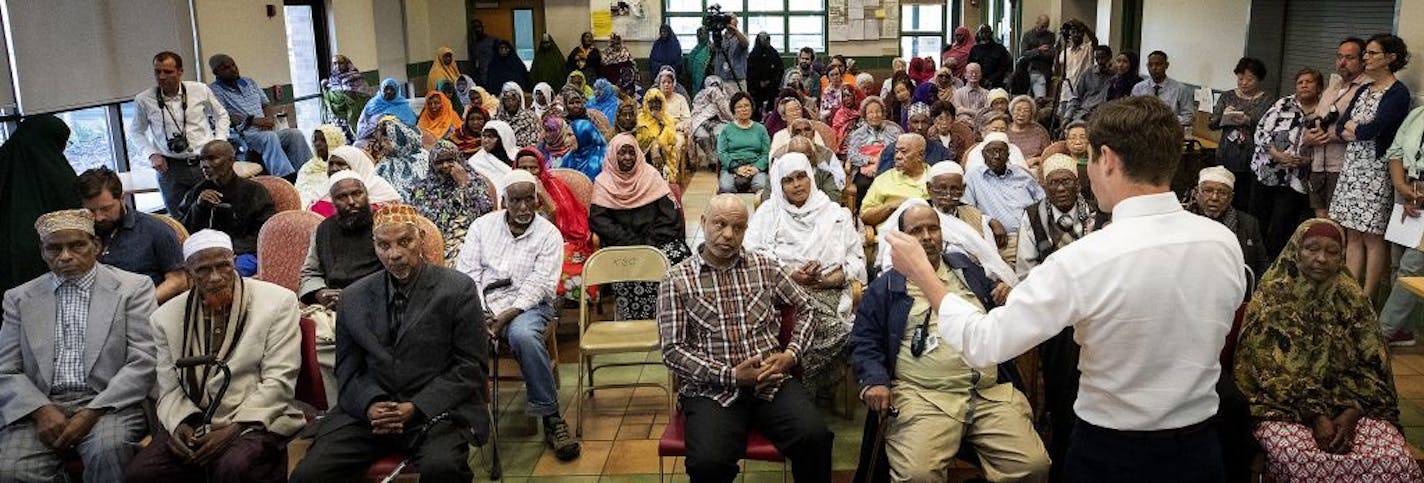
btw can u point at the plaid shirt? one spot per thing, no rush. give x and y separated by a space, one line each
71 317
531 261
711 319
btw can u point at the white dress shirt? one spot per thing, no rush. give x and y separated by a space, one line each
152 127
531 261
1151 298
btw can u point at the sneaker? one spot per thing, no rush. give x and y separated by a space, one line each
557 436
1401 338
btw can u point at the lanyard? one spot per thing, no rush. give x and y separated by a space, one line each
182 106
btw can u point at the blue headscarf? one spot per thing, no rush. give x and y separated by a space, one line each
399 107
604 99
667 50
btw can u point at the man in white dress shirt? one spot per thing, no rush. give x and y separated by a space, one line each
1151 328
171 132
516 256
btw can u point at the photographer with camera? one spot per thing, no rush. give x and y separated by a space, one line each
730 47
170 132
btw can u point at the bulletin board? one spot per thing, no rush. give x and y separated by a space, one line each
627 18
851 20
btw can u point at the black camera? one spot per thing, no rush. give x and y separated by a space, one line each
178 143
1328 120
716 20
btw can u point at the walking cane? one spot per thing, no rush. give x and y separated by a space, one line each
212 409
496 469
879 442
419 439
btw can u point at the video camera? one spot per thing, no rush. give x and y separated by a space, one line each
716 20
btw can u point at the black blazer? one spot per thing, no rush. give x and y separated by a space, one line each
439 360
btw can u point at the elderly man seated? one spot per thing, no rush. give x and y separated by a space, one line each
133 241
283 151
935 400
228 203
1002 191
1062 217
906 181
1215 190
76 359
225 427
735 373
919 121
946 189
515 257
411 359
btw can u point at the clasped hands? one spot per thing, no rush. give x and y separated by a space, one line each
759 373
389 417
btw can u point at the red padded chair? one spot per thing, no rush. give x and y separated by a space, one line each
673 443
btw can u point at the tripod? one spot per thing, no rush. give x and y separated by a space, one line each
719 50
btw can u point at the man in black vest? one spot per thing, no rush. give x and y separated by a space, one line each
341 251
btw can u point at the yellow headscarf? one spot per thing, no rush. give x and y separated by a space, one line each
439 72
659 128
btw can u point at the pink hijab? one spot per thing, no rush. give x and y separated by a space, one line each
624 190
959 50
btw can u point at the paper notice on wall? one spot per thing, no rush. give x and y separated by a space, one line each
857 14
890 25
857 30
602 23
872 29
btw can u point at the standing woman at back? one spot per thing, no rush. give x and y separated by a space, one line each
35 178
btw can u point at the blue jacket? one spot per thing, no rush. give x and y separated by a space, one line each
878 334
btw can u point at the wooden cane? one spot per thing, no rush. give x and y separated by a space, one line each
885 417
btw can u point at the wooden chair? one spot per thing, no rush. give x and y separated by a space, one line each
177 227
284 196
597 338
282 246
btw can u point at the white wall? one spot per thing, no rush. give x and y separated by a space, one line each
431 24
353 26
390 31
1202 39
242 29
1413 74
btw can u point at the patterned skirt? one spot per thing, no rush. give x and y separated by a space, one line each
639 300
824 363
1363 197
1379 453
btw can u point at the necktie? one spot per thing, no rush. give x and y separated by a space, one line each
397 313
1157 90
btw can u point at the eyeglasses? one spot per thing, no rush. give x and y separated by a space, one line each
1062 183
1216 193
1371 53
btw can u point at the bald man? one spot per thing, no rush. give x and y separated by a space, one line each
893 187
735 372
228 203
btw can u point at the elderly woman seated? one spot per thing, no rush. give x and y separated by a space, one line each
1074 144
1312 364
816 240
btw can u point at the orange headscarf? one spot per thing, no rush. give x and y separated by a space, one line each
438 126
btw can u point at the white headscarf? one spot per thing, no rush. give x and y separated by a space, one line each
378 190
205 239
958 237
548 91
486 164
797 234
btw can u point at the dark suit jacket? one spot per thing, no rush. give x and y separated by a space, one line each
439 360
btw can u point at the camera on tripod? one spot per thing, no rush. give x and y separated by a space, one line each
716 20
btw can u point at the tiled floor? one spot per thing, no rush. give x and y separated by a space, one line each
622 426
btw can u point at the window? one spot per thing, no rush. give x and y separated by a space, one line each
921 30
524 35
90 142
792 24
138 165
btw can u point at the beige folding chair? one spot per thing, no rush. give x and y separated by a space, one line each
597 338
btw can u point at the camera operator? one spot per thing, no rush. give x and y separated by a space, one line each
171 131
730 53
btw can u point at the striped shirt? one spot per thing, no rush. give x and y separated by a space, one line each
71 318
712 319
1002 197
531 261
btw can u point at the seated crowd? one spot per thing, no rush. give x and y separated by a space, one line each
522 183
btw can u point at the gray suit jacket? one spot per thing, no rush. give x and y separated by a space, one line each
118 343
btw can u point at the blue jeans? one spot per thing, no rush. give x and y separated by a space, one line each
283 152
727 182
1395 314
526 340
